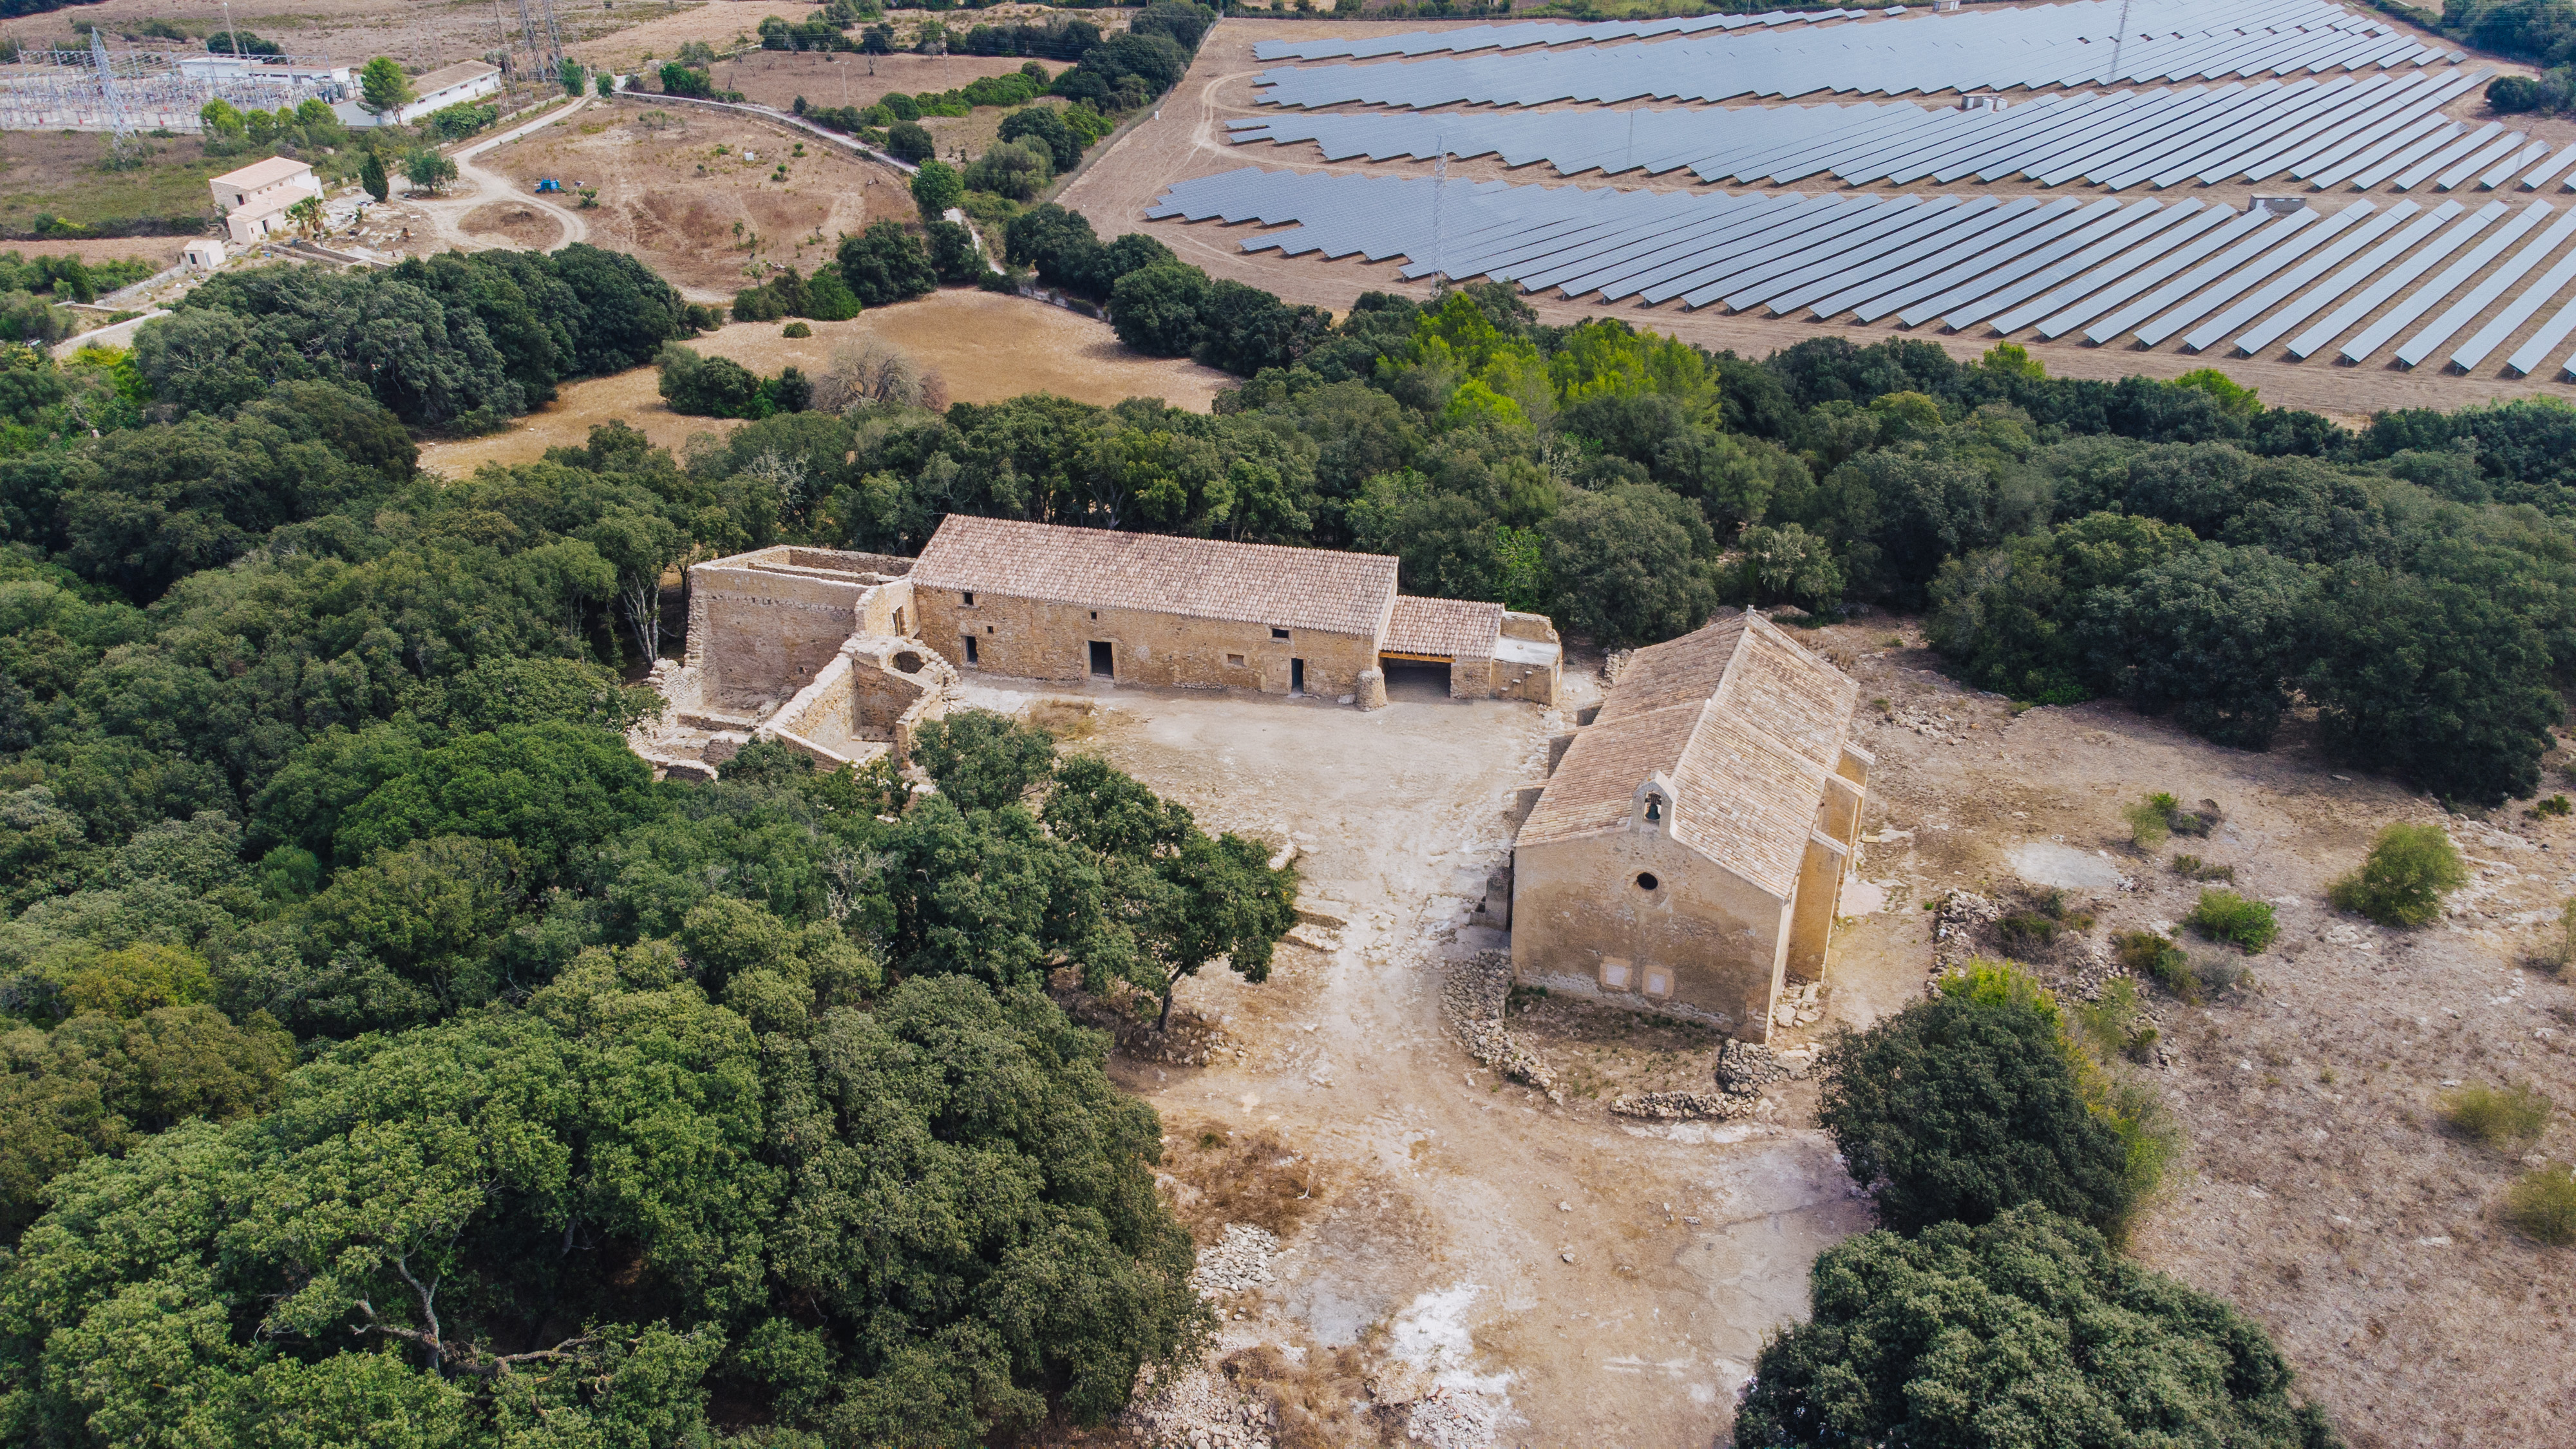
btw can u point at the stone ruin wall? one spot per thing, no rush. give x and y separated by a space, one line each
810 647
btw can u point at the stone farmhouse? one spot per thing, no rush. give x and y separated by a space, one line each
1687 853
1039 601
841 655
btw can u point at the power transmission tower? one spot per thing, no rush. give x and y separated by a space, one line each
2118 41
554 38
120 129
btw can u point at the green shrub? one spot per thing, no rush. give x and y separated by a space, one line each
2497 1117
1996 1335
2555 805
796 329
2410 869
2542 1202
1977 1101
2192 867
2037 925
2150 820
2227 916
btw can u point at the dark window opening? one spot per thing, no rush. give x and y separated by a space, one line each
1646 880
1095 613
970 649
910 663
1296 676
1278 633
1103 659
970 598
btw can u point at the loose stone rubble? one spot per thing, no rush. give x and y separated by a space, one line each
1238 1261
1743 1069
1196 1409
1472 999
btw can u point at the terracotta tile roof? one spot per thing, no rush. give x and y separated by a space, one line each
1746 723
1459 628
1252 583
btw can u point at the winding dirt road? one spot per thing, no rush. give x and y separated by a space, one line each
476 186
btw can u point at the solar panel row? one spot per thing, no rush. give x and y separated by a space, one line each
2160 137
1536 32
1996 50
2143 270
2086 19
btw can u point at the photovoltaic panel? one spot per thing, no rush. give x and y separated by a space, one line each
2000 49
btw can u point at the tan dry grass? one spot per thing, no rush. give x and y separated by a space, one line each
988 347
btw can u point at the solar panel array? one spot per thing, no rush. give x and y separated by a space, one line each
2065 45
2387 128
1537 32
2350 277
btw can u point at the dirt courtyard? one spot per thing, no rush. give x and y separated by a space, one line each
1449 1205
987 347
2317 1189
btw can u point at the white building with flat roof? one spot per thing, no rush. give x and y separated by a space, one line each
446 86
255 199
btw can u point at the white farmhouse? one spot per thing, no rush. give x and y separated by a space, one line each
255 199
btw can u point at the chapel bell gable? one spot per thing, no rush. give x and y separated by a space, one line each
1652 809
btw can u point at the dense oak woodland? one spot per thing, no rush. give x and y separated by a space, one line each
385 1046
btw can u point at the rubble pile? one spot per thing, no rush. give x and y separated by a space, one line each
1196 1409
1744 1068
1472 999
1239 1261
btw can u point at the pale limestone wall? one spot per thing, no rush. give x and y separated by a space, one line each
870 698
821 719
887 608
1576 904
1028 639
1811 919
753 632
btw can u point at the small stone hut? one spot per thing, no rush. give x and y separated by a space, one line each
1687 853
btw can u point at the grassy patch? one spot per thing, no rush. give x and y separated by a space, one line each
67 178
2226 916
2496 1116
2542 1202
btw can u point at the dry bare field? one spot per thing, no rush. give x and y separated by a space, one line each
710 222
985 346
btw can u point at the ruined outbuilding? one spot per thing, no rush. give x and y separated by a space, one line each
1687 854
810 647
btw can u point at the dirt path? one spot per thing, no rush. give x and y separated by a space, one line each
476 186
1568 1280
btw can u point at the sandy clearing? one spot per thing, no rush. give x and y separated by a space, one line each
988 347
1440 1216
1188 141
2316 1191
